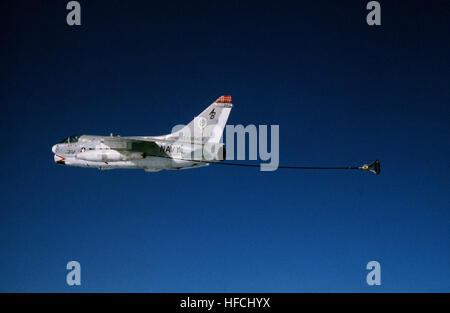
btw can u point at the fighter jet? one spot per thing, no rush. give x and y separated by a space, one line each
194 145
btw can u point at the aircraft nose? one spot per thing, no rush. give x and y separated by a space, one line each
54 148
59 159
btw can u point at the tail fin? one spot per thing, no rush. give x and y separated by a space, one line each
208 126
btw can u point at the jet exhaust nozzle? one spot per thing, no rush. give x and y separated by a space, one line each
373 167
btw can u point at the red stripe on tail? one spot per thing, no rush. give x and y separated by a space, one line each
224 99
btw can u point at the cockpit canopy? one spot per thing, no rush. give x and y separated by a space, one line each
70 139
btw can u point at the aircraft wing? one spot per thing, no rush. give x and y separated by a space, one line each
132 145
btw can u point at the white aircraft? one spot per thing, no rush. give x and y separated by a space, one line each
197 144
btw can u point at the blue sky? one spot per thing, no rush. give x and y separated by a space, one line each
342 92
